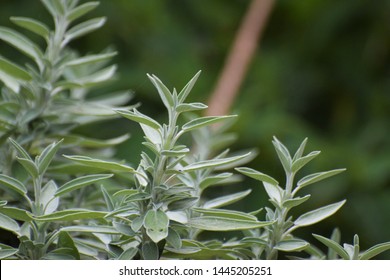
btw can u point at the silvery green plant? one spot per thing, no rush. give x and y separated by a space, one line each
43 100
162 210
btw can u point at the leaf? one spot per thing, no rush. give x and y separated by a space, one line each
182 204
174 239
128 254
188 87
6 253
55 7
333 245
316 177
29 166
156 223
204 121
83 29
226 199
137 223
9 224
13 184
32 25
257 175
65 241
96 78
317 215
22 152
14 70
81 182
150 251
89 59
81 10
291 245
189 107
375 250
71 215
17 214
301 162
101 164
48 200
283 154
212 180
175 153
47 155
274 192
213 162
299 152
21 43
224 224
163 91
293 202
226 214
91 229
138 117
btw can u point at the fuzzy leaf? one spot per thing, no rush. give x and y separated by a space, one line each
333 245
90 59
91 229
150 251
13 184
163 91
293 202
375 250
21 43
187 88
47 155
212 223
101 164
128 254
83 28
174 239
29 166
204 121
213 162
299 152
22 152
81 182
283 154
189 107
6 253
17 214
138 117
81 10
14 70
71 215
238 215
316 177
9 224
156 223
48 200
32 25
226 199
257 175
317 215
301 162
292 245
274 192
215 179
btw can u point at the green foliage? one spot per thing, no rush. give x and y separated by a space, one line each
86 204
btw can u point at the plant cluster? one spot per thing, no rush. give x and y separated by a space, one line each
65 196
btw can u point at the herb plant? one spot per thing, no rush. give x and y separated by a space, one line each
65 196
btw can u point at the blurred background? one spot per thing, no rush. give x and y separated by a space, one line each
321 70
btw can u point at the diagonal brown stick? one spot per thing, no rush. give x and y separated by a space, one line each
239 57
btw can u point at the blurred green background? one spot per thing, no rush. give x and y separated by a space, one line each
322 71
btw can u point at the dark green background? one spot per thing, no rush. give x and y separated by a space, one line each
322 71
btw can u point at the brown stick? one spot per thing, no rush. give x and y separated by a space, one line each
239 57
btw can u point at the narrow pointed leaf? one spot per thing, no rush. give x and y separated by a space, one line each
333 245
47 156
215 179
22 152
89 59
316 177
375 250
14 70
9 224
13 184
48 199
92 229
224 224
189 107
300 150
293 202
6 253
21 43
187 88
204 121
283 154
32 25
83 29
81 10
138 117
301 162
81 182
257 175
29 166
101 164
163 91
238 215
17 214
213 162
226 199
317 215
71 215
